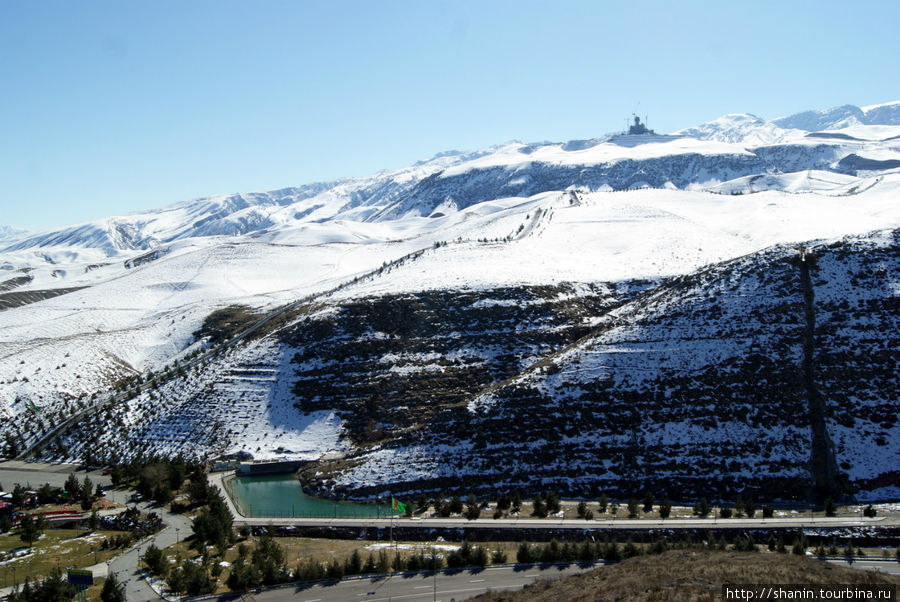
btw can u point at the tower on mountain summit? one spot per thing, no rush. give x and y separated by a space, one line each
639 128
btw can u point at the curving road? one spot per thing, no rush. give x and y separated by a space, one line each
125 565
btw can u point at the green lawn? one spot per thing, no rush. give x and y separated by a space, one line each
75 548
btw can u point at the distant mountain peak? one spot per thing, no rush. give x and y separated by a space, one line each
834 118
751 130
9 231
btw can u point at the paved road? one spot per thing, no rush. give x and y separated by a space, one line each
422 587
38 473
125 566
891 567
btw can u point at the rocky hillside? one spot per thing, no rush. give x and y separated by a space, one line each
773 375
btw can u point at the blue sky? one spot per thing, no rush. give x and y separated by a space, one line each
112 107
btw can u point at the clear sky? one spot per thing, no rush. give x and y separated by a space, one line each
111 107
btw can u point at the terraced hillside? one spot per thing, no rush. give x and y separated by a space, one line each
772 375
392 365
703 386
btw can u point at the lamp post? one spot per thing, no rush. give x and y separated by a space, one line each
177 539
435 570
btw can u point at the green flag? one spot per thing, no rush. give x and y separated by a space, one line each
398 506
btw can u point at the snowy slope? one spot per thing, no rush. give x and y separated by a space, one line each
692 388
84 307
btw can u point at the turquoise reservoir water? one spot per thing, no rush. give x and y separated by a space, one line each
280 496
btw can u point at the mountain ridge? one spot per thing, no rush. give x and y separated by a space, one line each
243 213
479 269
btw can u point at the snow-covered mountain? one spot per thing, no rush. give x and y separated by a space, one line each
753 131
8 232
443 283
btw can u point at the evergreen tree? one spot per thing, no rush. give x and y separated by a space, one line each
701 508
354 564
648 501
612 553
750 508
539 507
54 588
582 508
196 580
198 489
41 524
156 562
384 563
478 556
473 508
630 550
603 503
72 486
665 509
11 449
29 529
553 503
525 553
87 494
113 589
586 552
632 508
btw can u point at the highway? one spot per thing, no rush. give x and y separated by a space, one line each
570 523
892 567
422 587
38 473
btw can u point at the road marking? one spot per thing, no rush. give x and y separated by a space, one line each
423 587
476 580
